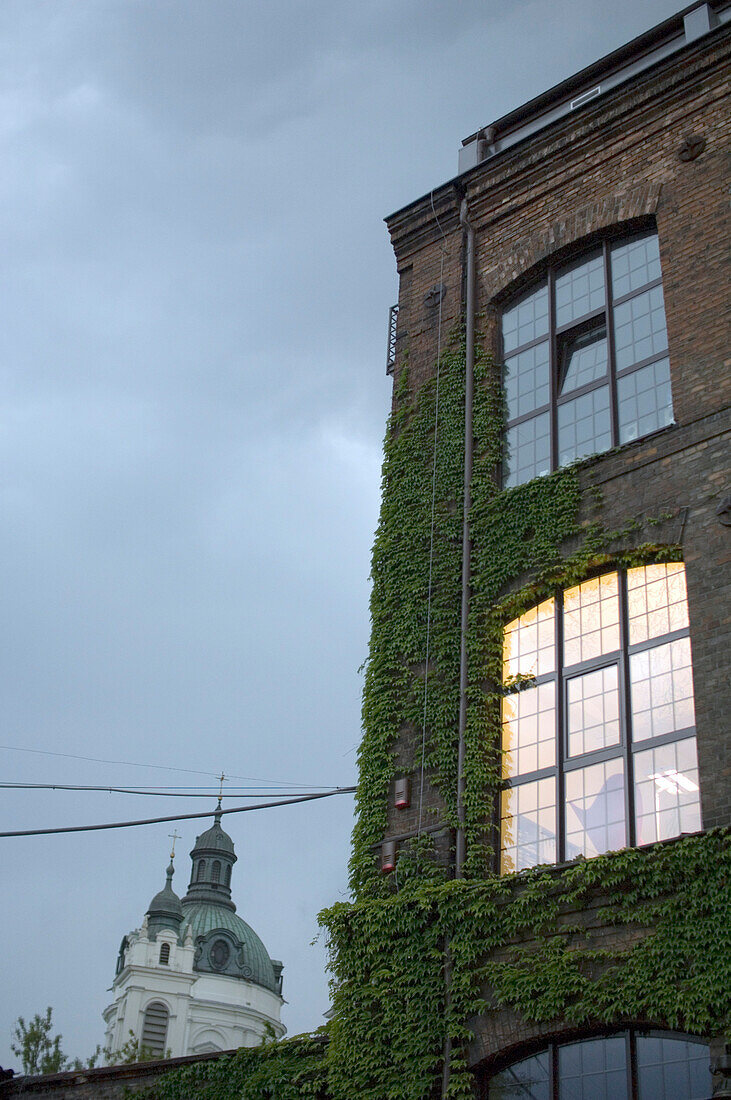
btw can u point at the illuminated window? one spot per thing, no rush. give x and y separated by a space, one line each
585 359
666 1067
599 747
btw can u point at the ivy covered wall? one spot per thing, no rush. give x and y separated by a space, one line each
418 955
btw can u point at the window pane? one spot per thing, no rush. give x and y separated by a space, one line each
583 426
639 328
634 265
644 401
661 681
595 809
526 1080
529 647
657 601
528 825
528 450
584 360
591 619
593 711
593 1070
666 791
527 380
526 321
580 290
672 1069
529 730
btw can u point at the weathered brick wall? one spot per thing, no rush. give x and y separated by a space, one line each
106 1083
616 163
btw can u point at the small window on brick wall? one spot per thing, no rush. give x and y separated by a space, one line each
586 359
599 748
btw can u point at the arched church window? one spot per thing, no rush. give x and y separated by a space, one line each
625 1066
228 875
165 954
586 358
216 871
599 748
201 870
155 1028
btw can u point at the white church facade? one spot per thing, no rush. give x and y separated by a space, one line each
195 977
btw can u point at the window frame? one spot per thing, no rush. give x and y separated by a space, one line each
626 746
558 337
552 1048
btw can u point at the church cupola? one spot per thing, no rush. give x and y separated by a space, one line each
166 910
213 858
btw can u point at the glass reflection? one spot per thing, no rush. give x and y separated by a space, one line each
580 290
667 798
634 265
657 601
593 711
527 380
528 450
644 401
595 809
595 1069
526 1080
529 730
672 1069
661 682
584 360
591 619
639 328
529 647
584 426
527 321
528 825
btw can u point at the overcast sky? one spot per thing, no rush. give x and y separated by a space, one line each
195 287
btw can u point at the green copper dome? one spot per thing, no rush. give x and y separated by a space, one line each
224 943
247 956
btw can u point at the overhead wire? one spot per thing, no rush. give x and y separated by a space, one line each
160 767
178 817
155 792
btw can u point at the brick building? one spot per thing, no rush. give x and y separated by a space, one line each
576 272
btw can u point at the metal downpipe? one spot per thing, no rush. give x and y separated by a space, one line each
466 537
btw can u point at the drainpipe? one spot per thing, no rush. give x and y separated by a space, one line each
466 539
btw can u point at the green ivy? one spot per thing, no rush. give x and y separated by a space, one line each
293 1069
517 941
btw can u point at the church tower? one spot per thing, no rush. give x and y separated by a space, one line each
195 977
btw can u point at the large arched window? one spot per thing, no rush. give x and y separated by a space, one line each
155 1028
599 744
586 360
200 873
626 1066
216 871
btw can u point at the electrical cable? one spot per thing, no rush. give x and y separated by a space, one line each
135 764
177 817
154 792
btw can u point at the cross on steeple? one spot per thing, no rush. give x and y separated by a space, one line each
175 835
222 780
